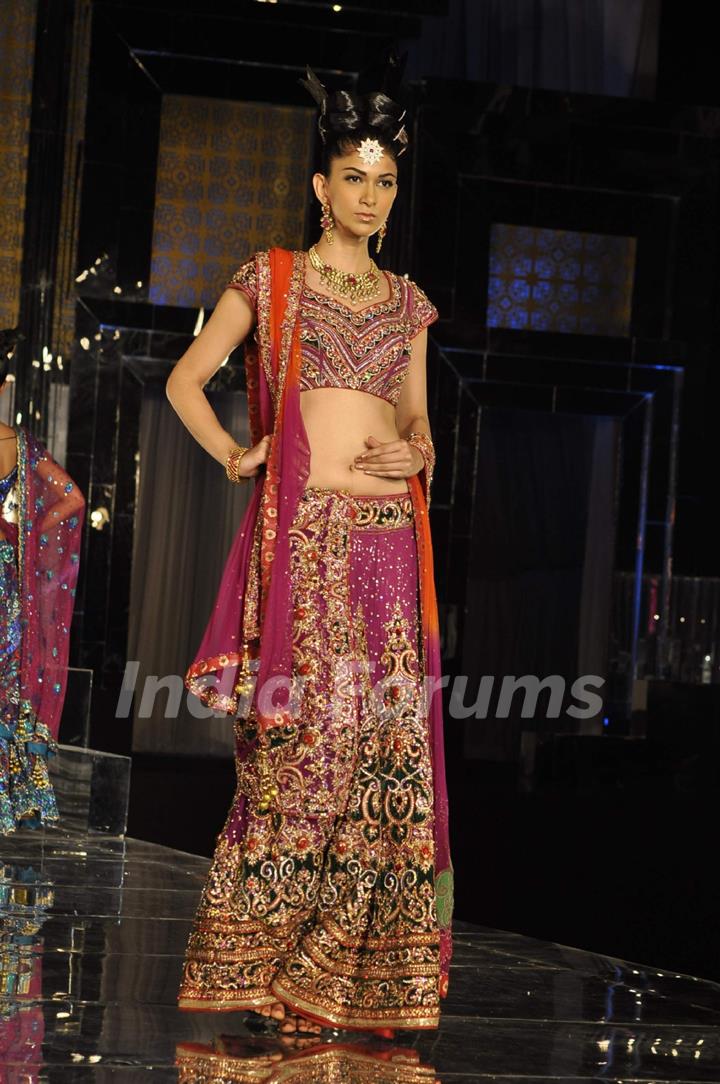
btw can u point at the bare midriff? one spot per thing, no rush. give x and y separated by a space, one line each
337 422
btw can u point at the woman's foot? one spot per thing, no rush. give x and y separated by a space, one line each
276 1011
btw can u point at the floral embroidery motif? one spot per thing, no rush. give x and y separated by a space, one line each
328 900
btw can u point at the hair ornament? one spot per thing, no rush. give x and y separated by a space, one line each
313 85
342 112
370 151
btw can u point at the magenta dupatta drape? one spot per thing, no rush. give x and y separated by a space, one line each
252 618
46 533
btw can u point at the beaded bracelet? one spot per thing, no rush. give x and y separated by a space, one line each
425 446
233 462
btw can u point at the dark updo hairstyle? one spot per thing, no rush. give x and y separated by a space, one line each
348 117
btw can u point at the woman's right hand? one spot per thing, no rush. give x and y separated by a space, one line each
251 461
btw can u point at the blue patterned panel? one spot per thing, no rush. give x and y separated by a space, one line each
560 280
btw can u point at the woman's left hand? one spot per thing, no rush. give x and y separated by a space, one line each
392 459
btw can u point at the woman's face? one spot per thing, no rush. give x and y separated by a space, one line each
353 186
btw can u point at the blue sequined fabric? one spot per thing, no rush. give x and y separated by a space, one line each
26 793
7 483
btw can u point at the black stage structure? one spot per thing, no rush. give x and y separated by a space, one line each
563 218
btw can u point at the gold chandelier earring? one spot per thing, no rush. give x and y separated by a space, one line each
381 236
327 222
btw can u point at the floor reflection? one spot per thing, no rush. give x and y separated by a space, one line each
92 934
236 1060
24 898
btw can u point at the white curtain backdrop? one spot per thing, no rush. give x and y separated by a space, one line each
187 516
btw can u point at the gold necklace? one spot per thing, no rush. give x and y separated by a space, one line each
344 283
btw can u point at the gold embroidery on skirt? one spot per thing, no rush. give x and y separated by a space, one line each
327 900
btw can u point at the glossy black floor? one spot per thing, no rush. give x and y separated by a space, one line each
92 931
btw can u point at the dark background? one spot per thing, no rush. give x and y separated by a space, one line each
609 843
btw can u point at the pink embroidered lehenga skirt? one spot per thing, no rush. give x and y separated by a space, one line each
326 902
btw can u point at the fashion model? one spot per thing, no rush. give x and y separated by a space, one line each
329 897
41 518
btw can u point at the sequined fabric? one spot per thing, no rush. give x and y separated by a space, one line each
26 793
365 350
7 484
327 902
41 517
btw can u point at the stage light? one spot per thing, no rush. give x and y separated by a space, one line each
99 517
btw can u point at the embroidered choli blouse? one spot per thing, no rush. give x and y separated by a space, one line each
365 350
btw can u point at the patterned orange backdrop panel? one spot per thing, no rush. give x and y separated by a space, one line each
232 178
17 50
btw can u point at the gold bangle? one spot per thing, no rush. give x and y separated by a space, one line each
232 464
425 446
